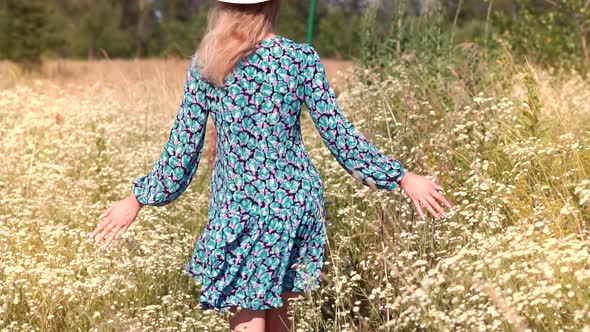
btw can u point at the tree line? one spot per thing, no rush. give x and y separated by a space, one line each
144 28
32 29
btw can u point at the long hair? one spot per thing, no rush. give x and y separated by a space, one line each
233 32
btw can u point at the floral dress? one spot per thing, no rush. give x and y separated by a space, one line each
265 232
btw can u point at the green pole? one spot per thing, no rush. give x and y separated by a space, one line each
310 21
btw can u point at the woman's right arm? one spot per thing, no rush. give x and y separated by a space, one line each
174 170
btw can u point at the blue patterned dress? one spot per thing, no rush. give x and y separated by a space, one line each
265 232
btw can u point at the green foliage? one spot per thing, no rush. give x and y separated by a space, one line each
24 26
421 45
369 43
419 39
101 27
551 32
530 114
179 37
338 34
293 17
111 28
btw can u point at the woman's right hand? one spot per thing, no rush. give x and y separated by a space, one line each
424 193
116 219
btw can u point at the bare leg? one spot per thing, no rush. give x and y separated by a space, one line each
247 320
277 319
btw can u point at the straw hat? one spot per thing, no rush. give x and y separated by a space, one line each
243 1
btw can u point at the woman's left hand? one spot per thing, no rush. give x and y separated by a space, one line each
424 193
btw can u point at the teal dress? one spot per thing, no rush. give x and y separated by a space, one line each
265 232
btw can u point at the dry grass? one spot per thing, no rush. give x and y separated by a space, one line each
126 72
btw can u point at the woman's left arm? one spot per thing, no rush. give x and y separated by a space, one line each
172 173
355 153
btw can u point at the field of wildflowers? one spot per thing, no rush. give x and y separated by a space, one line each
512 256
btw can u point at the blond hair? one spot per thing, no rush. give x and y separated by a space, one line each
234 30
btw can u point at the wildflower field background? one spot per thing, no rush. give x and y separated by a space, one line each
507 138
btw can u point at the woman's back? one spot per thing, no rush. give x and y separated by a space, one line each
266 210
260 153
264 92
258 109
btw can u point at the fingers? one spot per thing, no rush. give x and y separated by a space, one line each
100 227
428 207
418 208
441 198
104 221
424 193
120 231
434 185
437 195
106 212
105 232
115 234
436 207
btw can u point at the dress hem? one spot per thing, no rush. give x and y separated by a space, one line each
207 305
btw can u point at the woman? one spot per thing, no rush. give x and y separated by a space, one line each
265 236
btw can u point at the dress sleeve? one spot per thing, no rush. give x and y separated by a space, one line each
352 150
172 173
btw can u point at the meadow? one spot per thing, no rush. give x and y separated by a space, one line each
513 255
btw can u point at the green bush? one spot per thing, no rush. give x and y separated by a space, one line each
24 28
550 32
